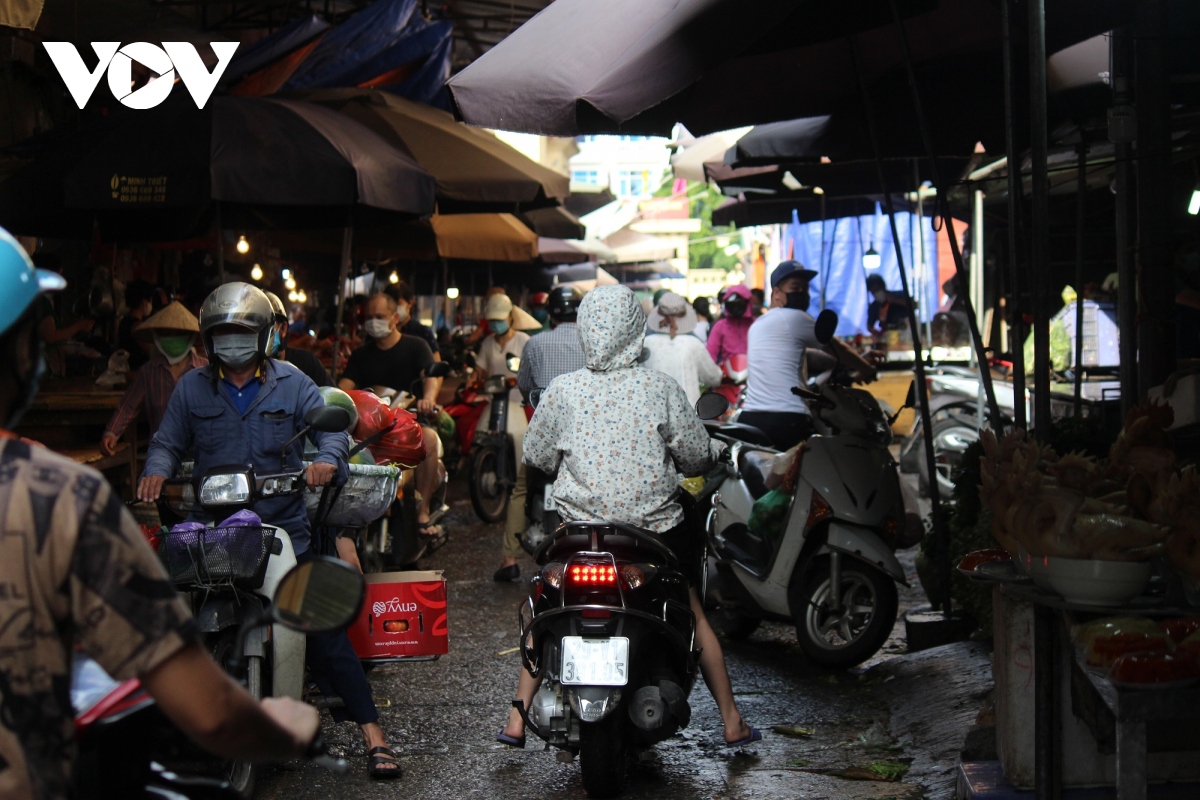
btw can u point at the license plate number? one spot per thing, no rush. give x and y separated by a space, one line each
548 499
595 662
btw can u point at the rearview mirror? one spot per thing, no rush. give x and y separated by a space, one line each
513 362
329 419
711 405
910 399
535 397
438 369
319 596
826 326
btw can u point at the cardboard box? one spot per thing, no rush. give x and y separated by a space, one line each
403 616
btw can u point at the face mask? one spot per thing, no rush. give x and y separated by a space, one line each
276 343
499 327
735 309
541 315
377 328
403 312
235 350
174 348
798 300
881 296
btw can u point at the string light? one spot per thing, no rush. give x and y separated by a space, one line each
293 297
394 277
285 273
452 292
290 283
256 272
301 297
243 246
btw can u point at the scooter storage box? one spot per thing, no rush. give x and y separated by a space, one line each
403 616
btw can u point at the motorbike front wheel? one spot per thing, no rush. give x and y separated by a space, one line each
602 750
858 629
240 774
489 498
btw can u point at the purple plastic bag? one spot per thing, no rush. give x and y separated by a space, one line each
187 526
242 519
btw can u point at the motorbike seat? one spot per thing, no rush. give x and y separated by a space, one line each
745 433
754 466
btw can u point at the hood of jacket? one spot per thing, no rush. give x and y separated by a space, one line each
612 327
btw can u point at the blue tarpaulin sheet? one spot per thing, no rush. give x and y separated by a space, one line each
426 42
428 84
273 47
357 41
835 247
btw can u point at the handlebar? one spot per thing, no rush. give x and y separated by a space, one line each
318 753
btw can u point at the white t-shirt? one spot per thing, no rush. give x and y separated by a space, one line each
685 359
494 361
775 349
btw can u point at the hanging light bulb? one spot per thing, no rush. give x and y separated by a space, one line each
256 272
394 277
871 259
290 283
285 273
452 292
243 246
1194 203
301 297
293 297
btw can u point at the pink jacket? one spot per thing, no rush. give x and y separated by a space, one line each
727 337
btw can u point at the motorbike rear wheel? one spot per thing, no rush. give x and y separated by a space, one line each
952 435
489 498
855 633
602 751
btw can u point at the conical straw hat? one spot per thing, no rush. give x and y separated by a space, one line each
175 318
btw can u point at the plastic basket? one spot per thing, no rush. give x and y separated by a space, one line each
365 497
215 556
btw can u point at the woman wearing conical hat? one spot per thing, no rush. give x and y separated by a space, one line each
173 333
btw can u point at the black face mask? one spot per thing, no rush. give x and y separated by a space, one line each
798 300
735 309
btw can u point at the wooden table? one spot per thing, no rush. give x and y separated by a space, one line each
69 416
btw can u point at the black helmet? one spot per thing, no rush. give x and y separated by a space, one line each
564 302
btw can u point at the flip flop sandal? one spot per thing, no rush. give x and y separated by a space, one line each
755 736
378 757
511 741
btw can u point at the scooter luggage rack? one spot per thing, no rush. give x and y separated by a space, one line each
208 558
598 531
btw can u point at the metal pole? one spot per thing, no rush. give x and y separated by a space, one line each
1080 199
1040 239
343 276
926 275
1014 214
944 203
940 534
1121 133
977 288
220 243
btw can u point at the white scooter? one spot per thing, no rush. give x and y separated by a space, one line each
231 574
839 528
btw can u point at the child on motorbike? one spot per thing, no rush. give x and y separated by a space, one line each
619 435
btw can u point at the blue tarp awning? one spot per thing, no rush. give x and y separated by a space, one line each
273 47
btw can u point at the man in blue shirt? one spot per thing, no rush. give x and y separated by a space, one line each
243 408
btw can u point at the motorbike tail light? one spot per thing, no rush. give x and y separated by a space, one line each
819 510
586 575
552 574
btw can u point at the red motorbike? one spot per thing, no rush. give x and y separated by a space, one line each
733 387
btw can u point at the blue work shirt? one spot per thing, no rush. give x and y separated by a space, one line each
242 396
204 421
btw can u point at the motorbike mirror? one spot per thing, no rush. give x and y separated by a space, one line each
513 362
826 326
438 369
329 419
910 399
319 596
535 397
711 405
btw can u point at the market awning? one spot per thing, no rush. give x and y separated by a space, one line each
484 237
631 247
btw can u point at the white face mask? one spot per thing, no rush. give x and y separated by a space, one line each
402 311
377 328
881 296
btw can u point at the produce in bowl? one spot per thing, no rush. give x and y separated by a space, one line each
1104 650
1153 670
1180 628
1088 632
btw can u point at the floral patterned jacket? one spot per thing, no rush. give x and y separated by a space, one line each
617 434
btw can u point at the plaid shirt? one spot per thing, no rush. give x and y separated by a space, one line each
548 355
151 389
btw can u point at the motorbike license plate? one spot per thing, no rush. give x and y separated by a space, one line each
548 499
595 662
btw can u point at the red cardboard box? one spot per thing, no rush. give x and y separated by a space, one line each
403 616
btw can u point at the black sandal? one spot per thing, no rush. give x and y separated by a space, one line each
377 757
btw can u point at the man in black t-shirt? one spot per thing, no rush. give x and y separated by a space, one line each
396 361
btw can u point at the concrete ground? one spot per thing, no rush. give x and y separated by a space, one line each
902 709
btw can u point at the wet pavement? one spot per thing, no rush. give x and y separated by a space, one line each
443 716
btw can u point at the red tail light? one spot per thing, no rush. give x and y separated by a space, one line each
592 574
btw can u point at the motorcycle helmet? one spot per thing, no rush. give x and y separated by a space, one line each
277 306
21 284
239 304
563 303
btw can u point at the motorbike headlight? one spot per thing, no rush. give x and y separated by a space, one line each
226 489
496 384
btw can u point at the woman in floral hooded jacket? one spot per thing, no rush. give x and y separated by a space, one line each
619 436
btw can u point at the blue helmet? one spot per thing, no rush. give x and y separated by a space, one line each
20 281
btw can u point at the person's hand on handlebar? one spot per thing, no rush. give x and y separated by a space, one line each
319 473
299 719
425 406
149 488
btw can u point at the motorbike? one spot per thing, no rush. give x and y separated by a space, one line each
125 742
608 626
540 514
733 387
393 541
230 574
823 557
493 451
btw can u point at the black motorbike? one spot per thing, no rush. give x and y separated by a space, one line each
128 748
493 452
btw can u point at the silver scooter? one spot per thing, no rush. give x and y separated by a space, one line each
840 527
